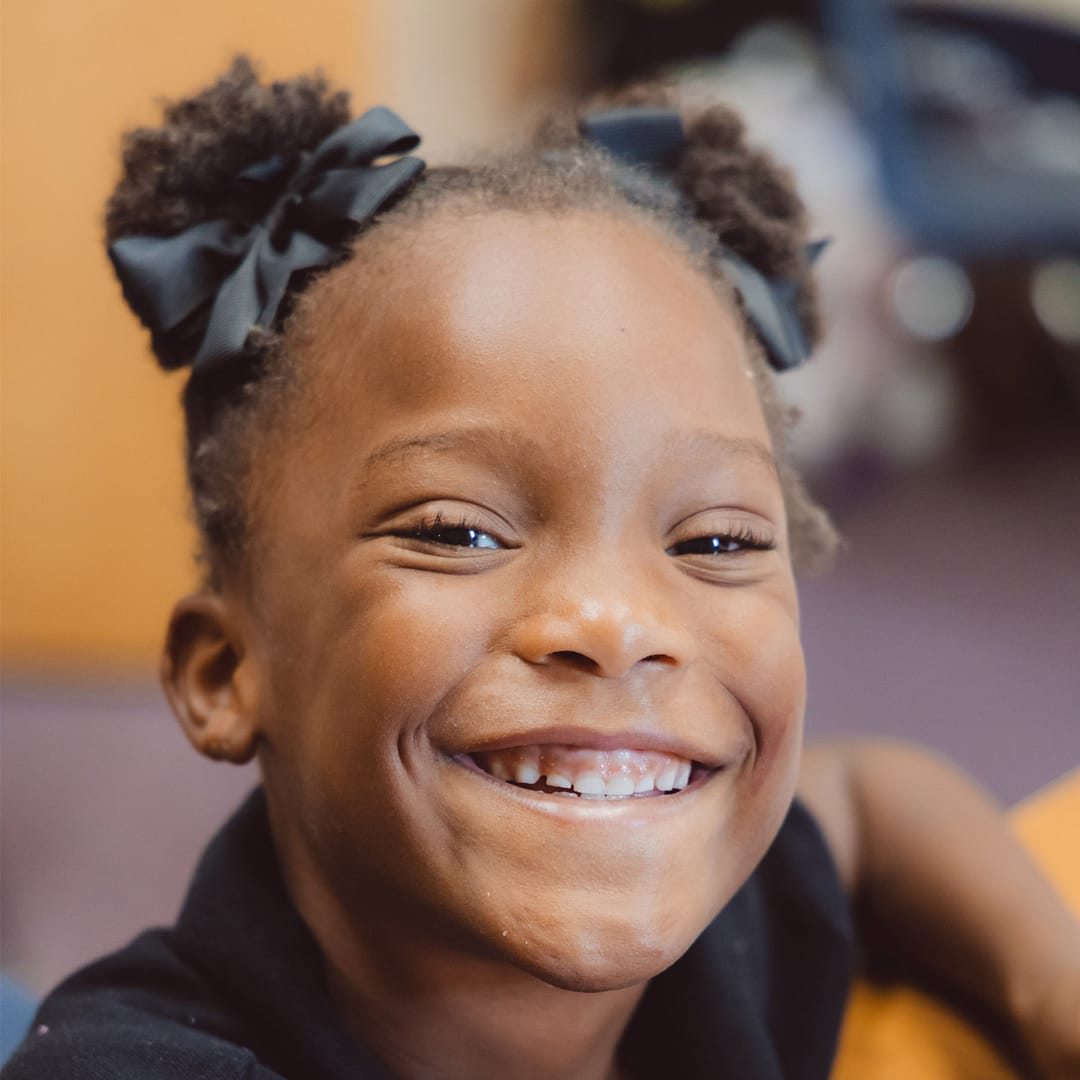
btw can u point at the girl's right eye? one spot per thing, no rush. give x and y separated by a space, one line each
453 533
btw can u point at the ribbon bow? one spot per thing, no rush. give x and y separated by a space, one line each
653 139
217 281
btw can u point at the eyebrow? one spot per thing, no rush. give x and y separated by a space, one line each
732 446
404 446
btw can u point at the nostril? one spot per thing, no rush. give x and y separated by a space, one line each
661 658
575 659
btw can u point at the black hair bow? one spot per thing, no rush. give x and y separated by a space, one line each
214 283
653 139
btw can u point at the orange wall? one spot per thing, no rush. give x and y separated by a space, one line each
94 544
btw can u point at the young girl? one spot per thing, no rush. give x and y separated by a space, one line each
498 541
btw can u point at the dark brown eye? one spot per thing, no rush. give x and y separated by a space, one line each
721 544
461 534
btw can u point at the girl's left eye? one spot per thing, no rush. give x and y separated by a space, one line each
457 534
727 543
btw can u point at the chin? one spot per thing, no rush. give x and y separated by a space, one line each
603 958
604 977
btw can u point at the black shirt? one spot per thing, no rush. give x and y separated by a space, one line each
235 991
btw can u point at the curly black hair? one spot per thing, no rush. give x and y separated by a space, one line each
183 172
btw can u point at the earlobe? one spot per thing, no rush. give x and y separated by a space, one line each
207 681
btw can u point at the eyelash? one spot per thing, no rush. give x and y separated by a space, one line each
737 539
433 530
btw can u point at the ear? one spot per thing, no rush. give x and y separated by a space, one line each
207 680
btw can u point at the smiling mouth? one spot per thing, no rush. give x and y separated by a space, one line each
585 773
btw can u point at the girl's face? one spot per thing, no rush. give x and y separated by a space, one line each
533 531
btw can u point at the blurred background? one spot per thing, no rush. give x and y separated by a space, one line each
938 145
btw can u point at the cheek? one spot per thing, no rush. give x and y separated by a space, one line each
759 660
357 671
412 641
374 657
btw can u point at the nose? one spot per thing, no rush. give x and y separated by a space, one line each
605 631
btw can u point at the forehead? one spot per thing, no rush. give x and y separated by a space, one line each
515 315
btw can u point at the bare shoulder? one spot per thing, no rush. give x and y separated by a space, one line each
827 790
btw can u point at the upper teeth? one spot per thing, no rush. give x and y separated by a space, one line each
611 774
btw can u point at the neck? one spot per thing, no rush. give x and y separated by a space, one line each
429 1005
430 1001
467 1017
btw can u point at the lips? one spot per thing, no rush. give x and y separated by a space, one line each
587 772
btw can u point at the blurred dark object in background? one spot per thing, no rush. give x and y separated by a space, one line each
1019 383
974 110
633 39
971 112
975 115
